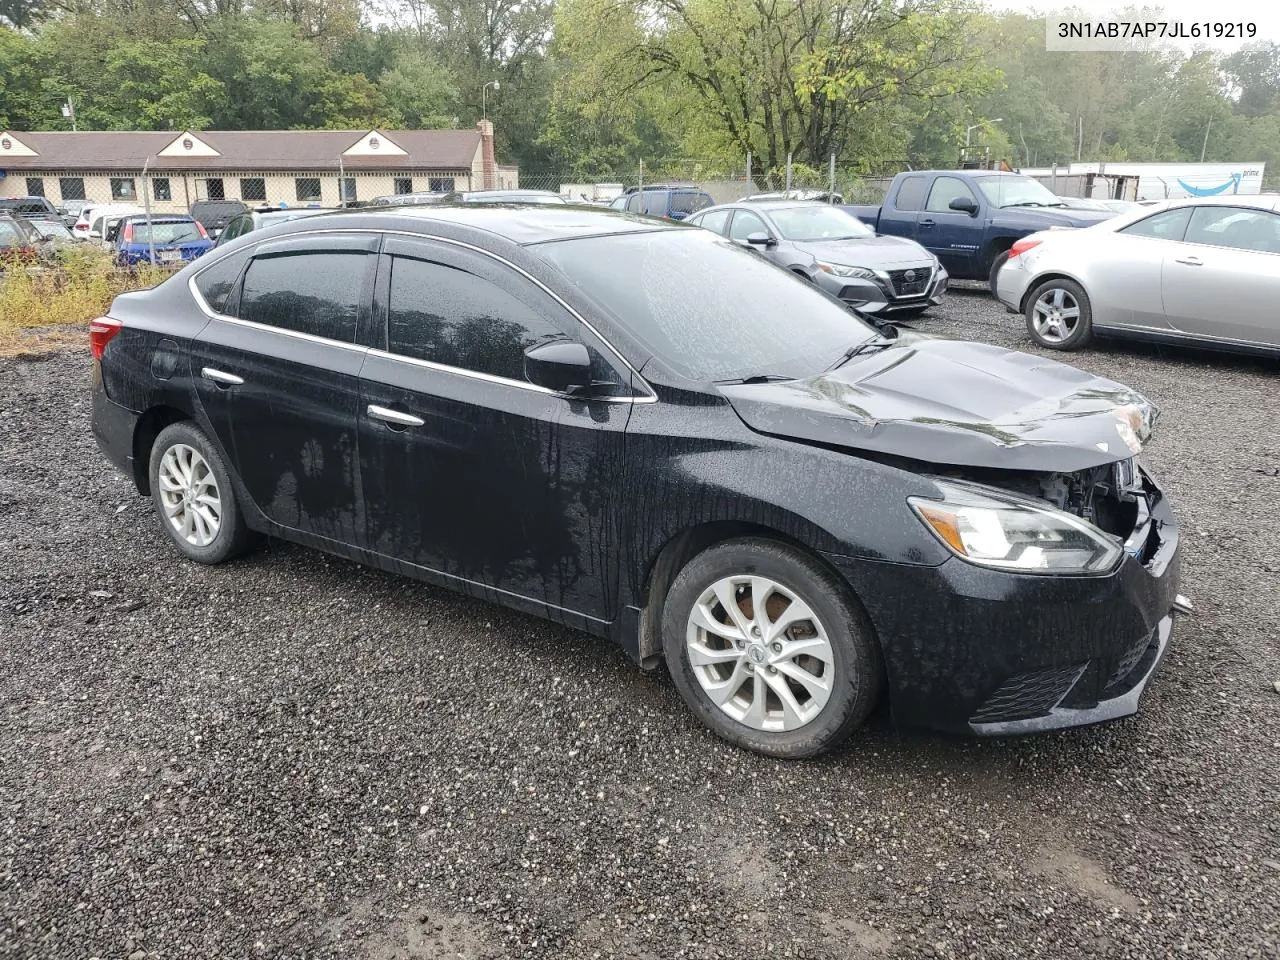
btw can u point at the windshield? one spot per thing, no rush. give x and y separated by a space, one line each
50 229
180 232
819 222
708 308
1017 192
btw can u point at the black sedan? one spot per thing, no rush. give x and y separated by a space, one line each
570 412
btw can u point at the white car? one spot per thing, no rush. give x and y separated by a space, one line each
1204 270
95 218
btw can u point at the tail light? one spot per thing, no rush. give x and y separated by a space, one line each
126 235
204 234
1022 246
101 332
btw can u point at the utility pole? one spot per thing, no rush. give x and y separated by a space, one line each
1205 147
484 98
146 205
69 111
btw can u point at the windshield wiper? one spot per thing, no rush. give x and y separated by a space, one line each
878 342
756 378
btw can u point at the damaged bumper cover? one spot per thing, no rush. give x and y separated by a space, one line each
978 651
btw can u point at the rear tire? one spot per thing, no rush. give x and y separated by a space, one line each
1059 315
1000 260
194 497
783 680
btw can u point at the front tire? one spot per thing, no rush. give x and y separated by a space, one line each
769 649
194 496
1059 315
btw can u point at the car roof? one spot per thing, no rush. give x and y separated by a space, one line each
518 223
161 217
509 193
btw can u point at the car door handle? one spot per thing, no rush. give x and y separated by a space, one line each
927 223
1189 261
394 417
220 378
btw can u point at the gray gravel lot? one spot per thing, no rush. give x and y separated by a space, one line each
292 756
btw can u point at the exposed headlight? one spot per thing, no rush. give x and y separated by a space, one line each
840 270
995 529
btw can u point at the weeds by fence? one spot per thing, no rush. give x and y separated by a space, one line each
79 286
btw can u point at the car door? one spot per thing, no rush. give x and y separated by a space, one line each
277 375
1121 270
950 235
1223 280
470 470
900 212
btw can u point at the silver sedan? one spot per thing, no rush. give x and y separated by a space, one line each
1203 270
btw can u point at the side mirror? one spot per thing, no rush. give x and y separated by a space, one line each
561 365
964 205
761 240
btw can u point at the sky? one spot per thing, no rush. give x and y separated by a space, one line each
1264 13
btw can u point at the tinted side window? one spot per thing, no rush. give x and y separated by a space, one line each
746 223
314 292
685 201
716 220
946 189
1166 225
216 282
911 193
1236 227
451 316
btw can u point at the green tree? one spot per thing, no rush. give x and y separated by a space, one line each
420 91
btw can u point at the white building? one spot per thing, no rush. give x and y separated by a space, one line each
256 166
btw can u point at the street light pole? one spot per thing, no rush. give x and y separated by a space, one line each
981 123
484 98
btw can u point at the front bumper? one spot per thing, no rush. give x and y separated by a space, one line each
879 297
978 651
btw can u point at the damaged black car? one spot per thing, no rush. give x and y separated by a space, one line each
641 431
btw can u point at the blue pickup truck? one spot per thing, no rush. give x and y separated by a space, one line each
969 219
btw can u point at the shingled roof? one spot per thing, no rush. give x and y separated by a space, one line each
215 150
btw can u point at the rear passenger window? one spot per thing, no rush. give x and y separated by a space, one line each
450 316
313 292
216 282
911 193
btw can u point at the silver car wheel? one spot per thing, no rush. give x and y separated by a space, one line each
760 653
1055 315
189 495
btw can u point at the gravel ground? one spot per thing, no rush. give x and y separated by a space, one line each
291 756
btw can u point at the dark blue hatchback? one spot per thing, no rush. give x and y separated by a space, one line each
168 238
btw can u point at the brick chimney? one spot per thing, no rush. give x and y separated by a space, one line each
488 165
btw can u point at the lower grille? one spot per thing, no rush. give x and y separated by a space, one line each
1029 694
1131 657
911 282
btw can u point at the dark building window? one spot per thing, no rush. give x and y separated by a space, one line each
310 293
123 188
347 189
160 189
71 188
253 188
215 188
35 186
404 185
308 188
440 184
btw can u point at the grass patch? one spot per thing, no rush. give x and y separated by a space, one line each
48 307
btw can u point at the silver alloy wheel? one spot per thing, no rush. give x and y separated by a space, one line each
1055 315
760 653
189 495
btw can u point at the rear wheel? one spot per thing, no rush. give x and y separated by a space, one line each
1000 260
768 648
1059 315
194 497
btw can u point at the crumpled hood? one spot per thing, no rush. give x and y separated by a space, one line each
955 402
882 252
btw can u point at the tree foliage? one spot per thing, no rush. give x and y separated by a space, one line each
592 88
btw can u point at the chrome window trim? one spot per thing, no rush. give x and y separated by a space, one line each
649 397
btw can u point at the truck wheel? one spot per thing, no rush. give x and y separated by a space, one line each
1059 315
996 264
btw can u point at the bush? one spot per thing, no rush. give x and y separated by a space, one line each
78 286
